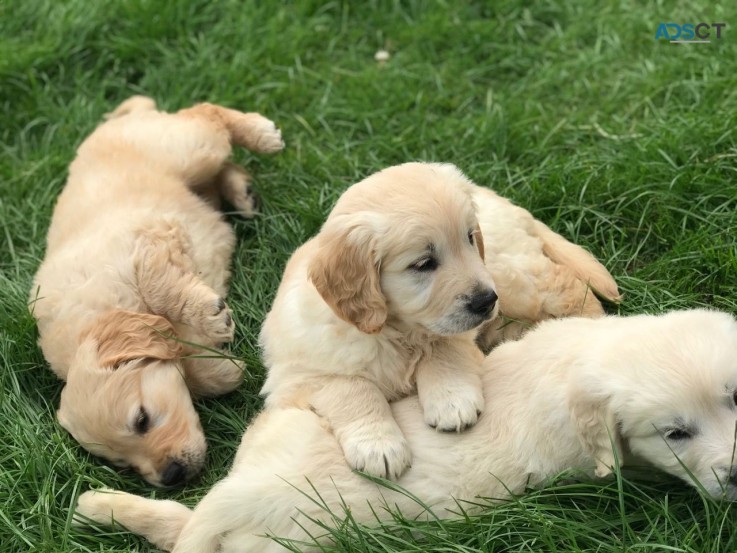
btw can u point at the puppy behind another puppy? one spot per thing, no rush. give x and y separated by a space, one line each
136 267
539 274
388 296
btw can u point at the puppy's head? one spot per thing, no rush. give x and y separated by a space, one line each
126 399
675 406
403 246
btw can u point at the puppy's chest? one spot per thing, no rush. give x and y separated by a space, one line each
394 369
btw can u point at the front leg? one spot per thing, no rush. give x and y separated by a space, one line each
160 521
449 385
169 286
208 370
209 375
362 420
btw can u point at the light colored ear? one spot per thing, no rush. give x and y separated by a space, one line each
345 271
124 335
597 428
480 241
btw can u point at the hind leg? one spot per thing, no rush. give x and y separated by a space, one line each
234 184
214 130
192 144
252 131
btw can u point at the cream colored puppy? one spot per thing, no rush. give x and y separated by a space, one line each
539 274
135 259
573 392
385 298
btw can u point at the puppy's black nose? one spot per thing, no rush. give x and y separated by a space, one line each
482 302
174 474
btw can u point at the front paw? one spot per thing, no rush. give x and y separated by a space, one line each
453 409
385 457
95 506
216 322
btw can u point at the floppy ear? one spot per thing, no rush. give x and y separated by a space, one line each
345 272
596 425
480 241
124 335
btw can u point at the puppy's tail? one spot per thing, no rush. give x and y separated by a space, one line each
580 262
134 103
159 521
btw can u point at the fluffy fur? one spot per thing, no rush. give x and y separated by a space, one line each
539 274
385 298
136 259
572 393
358 320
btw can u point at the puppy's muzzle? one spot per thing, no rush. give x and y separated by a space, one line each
174 474
482 302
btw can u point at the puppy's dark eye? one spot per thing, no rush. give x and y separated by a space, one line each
425 265
734 397
471 234
677 434
142 422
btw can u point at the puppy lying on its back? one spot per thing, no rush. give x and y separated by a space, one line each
134 259
385 298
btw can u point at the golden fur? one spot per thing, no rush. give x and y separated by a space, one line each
573 393
137 262
539 274
353 326
382 301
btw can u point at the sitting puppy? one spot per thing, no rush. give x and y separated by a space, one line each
573 392
387 296
136 269
539 274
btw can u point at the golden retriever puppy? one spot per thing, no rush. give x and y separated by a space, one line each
385 298
572 393
136 268
539 274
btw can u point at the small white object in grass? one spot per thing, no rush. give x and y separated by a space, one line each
382 56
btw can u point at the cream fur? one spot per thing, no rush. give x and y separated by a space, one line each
572 393
539 274
136 258
351 327
354 326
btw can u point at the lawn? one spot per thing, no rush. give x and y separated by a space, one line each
622 143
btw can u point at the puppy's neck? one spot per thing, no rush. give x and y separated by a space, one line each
409 335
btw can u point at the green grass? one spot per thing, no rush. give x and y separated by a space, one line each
571 109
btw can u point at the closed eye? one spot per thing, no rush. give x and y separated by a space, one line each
424 264
677 434
142 422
